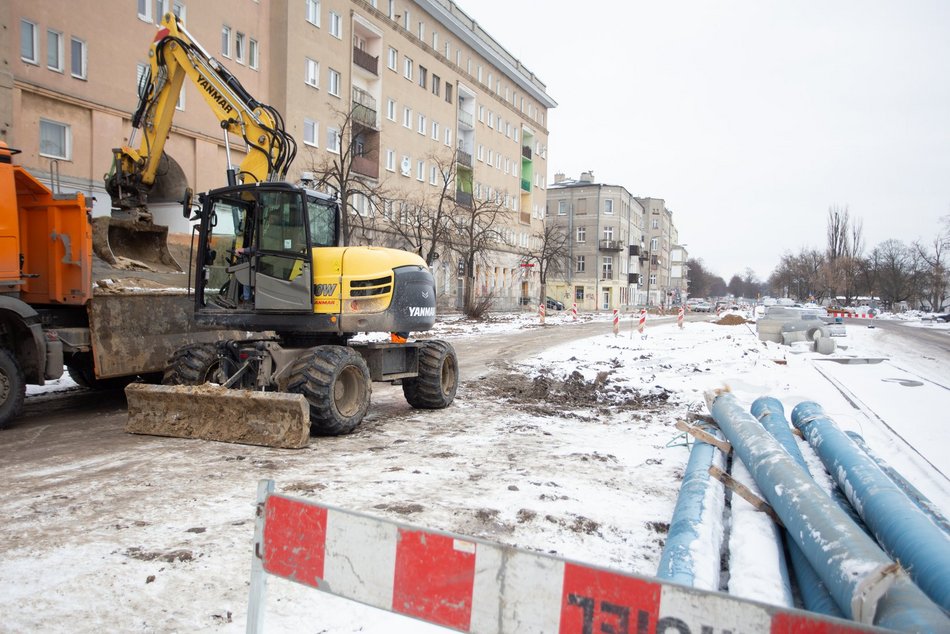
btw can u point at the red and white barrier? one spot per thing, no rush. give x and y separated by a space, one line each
643 320
541 312
476 586
850 315
616 321
574 311
680 314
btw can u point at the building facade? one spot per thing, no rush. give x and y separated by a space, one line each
661 239
413 88
604 227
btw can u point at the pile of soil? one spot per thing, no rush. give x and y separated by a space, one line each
731 320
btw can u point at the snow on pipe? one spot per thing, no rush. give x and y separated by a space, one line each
898 524
770 412
909 489
852 567
697 518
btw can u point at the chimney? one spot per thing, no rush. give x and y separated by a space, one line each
559 177
586 177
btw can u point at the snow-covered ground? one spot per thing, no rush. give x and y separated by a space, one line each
572 451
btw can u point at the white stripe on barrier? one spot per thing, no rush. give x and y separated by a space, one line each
476 586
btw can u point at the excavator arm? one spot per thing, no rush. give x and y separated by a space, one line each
175 56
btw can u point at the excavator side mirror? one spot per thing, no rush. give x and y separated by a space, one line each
186 202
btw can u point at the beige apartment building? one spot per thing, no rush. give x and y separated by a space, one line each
604 226
410 86
662 239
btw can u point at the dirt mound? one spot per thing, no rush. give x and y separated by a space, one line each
731 320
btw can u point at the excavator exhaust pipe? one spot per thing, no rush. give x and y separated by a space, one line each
212 412
127 244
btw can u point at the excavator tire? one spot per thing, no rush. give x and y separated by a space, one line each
438 379
193 365
335 381
12 388
80 370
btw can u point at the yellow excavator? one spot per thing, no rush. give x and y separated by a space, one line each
269 261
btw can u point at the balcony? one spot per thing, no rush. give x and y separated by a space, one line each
525 217
526 185
364 108
634 249
526 152
463 199
633 278
611 245
365 166
466 119
366 61
464 158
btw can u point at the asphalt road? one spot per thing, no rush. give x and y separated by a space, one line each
938 339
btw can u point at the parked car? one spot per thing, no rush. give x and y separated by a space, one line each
553 304
702 307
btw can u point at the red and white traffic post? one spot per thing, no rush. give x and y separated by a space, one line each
476 586
616 322
643 321
574 311
541 312
679 317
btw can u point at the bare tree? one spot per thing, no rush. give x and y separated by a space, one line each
476 230
897 270
349 166
799 276
935 275
550 255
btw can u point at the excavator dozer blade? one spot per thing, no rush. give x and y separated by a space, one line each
128 244
211 412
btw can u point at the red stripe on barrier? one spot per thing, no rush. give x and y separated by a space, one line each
601 601
294 540
434 578
783 623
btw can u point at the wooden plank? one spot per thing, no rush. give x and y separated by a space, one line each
704 436
743 491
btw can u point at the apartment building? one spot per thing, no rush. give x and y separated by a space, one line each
679 274
604 226
409 87
662 238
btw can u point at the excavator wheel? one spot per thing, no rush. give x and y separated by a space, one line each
80 370
336 384
438 379
12 388
193 365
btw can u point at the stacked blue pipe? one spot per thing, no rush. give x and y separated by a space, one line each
899 525
815 596
864 583
676 561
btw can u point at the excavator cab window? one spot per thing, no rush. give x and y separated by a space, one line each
323 222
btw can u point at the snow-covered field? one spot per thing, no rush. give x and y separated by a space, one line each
572 451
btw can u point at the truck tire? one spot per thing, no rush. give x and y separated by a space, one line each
194 364
80 369
336 384
438 379
12 388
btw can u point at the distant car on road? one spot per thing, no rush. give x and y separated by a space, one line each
553 304
702 307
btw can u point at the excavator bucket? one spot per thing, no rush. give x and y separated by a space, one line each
129 244
212 412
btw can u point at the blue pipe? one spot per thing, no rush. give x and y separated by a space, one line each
904 531
815 596
676 561
918 498
850 564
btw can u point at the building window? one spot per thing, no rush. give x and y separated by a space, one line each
435 41
407 117
448 136
423 76
310 130
29 51
562 207
336 25
392 59
422 30
421 127
180 105
407 68
145 10
581 234
420 170
391 109
55 140
435 130
608 233
240 47
226 41
448 92
433 175
54 50
406 19
436 85
481 152
333 140
580 263
312 77
608 206
654 242
578 293
607 268
334 87
391 160
313 12
656 223
253 54
78 58
652 279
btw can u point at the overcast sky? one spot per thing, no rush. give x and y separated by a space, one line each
750 118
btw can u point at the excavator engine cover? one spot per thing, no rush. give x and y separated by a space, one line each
212 412
129 244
